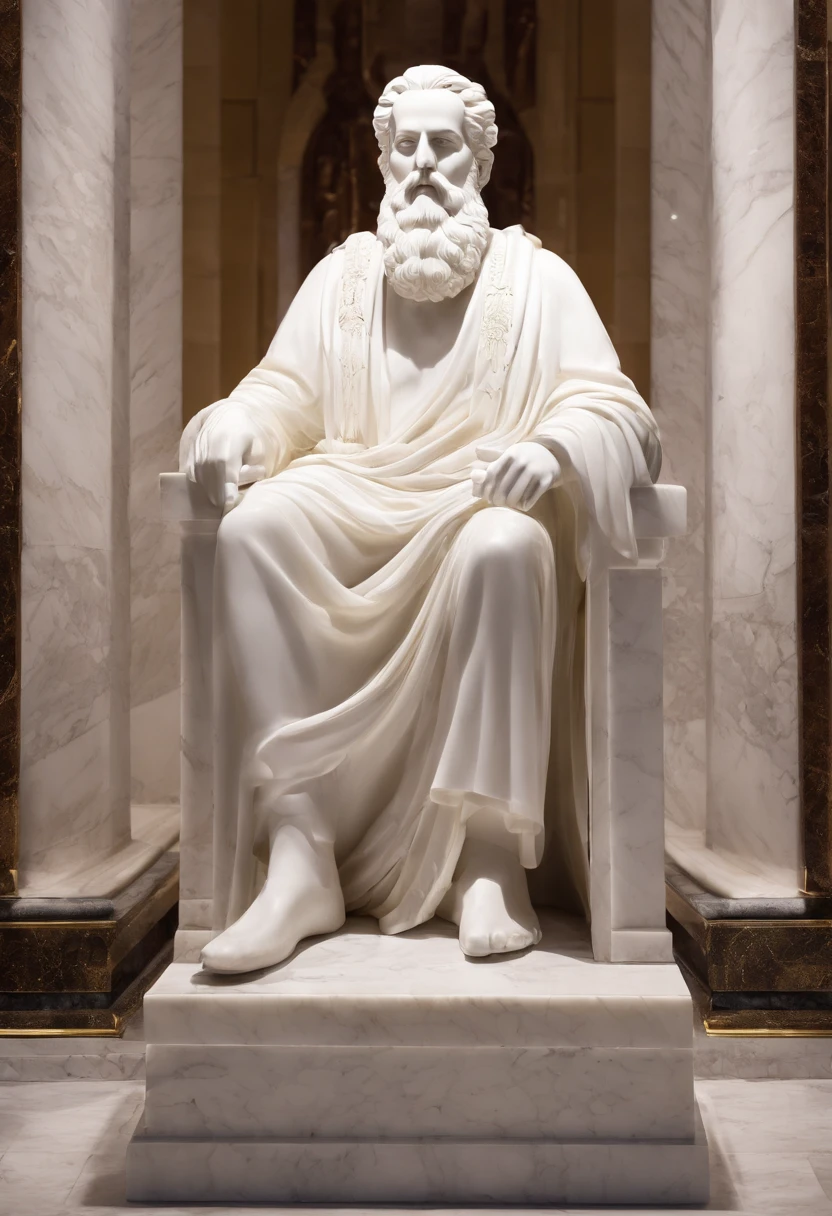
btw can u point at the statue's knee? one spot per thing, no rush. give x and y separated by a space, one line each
506 543
242 532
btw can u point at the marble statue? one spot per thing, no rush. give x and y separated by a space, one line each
410 480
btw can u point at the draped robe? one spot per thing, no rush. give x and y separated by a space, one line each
355 539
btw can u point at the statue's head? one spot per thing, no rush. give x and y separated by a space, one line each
436 130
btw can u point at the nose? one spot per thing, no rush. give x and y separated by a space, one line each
425 158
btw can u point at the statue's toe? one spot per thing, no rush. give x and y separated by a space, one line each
475 945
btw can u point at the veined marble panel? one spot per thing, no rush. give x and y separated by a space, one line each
75 614
358 988
156 389
65 674
67 189
753 742
90 871
393 1092
680 194
726 873
439 1172
65 804
154 762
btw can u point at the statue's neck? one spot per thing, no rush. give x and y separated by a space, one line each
423 332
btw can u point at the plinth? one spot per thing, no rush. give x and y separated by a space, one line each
371 1069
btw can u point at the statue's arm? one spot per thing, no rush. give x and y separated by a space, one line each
596 433
586 376
274 413
596 424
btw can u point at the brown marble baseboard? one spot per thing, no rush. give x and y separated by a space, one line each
89 976
769 973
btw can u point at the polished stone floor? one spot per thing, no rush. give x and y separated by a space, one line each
62 1147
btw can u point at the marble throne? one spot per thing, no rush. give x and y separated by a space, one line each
368 1069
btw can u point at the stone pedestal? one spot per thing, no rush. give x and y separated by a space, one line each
372 1069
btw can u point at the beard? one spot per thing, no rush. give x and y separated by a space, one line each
432 249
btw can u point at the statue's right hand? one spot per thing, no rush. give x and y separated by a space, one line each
228 453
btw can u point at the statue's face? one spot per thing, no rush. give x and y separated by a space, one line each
428 134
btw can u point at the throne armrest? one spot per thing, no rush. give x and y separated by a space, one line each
659 512
184 502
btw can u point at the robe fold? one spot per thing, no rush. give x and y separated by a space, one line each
357 657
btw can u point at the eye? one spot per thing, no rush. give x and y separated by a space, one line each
405 145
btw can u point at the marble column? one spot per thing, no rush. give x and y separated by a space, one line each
75 620
155 392
680 152
723 391
753 803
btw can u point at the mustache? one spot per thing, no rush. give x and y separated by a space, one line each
449 198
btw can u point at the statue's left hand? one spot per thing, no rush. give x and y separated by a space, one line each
519 476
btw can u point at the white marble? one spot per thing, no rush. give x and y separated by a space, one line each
624 649
84 1170
375 1092
156 390
803 1120
723 367
659 512
36 1059
361 988
625 610
738 877
753 803
190 941
752 1058
371 1068
776 1183
198 547
154 746
196 913
332 704
153 830
443 1171
821 1164
636 763
108 1062
75 611
680 154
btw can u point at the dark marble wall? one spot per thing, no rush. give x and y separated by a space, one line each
812 420
9 439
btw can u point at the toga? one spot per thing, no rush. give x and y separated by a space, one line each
375 644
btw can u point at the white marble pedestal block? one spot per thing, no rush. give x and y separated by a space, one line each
372 1069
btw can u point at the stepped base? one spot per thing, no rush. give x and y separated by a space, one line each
418 1172
394 1070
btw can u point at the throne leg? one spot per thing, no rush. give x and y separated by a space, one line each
199 542
627 765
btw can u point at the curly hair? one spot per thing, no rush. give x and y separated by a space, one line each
480 128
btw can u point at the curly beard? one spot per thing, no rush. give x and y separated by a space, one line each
432 249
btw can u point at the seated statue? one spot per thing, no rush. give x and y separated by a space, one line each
410 480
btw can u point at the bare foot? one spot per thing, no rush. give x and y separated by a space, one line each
489 900
301 897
